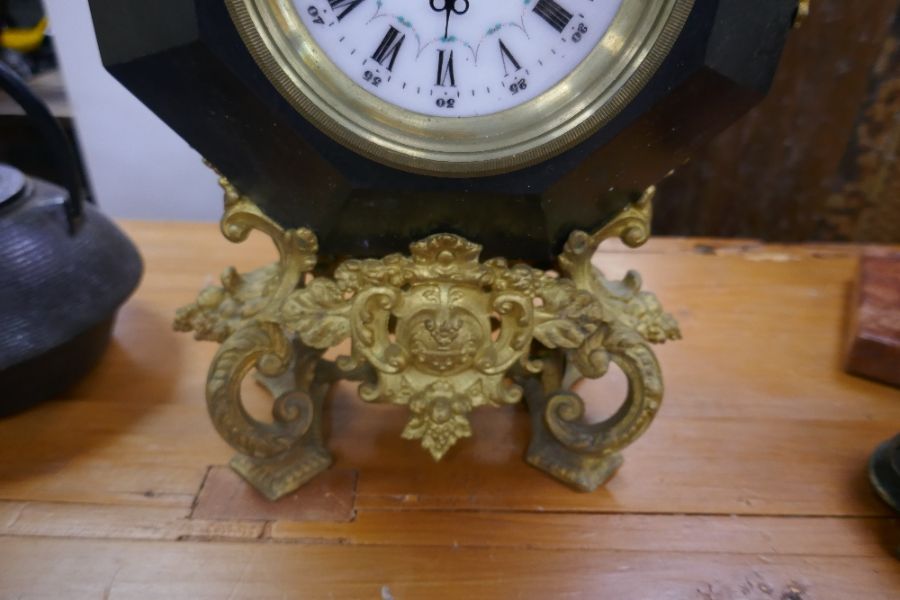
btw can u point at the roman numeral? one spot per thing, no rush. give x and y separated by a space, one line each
445 69
508 58
553 13
389 48
346 5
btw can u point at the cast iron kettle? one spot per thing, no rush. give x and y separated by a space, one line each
64 271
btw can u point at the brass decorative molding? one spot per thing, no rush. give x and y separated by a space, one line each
803 8
439 331
638 41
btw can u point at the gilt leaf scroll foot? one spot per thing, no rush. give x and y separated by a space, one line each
582 472
299 389
277 478
602 323
277 457
279 475
243 314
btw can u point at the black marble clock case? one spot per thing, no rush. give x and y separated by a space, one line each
185 60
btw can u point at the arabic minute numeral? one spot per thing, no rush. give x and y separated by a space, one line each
518 86
579 32
372 78
448 103
316 16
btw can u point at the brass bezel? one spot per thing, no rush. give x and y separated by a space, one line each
638 41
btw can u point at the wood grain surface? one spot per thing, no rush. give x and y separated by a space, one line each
817 159
750 484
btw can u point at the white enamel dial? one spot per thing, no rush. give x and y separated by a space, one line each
457 58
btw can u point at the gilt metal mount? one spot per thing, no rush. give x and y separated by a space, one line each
439 331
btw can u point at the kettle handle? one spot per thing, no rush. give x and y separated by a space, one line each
54 137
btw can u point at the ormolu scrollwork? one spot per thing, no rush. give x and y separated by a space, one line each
220 311
243 315
439 331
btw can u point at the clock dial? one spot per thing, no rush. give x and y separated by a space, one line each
459 88
457 58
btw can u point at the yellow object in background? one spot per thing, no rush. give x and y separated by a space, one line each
24 40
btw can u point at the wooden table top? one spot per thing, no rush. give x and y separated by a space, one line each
751 483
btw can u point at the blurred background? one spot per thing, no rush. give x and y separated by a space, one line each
816 161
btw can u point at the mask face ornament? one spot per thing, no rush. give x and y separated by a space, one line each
436 176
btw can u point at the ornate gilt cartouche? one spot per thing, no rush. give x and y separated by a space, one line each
439 331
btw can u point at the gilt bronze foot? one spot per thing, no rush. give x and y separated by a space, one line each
439 331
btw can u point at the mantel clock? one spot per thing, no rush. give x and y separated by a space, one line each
436 176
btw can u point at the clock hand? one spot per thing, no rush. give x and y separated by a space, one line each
449 8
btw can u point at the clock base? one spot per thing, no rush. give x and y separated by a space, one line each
440 332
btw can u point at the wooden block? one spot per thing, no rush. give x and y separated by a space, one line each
873 341
226 496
